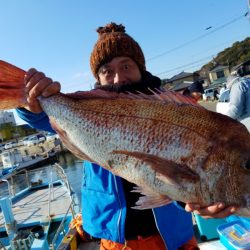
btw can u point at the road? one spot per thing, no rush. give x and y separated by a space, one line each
210 105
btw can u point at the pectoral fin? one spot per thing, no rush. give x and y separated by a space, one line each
150 199
166 170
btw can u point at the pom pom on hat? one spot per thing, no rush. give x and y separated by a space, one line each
113 42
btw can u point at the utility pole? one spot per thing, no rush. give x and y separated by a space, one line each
248 5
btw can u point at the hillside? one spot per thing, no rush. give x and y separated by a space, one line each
232 56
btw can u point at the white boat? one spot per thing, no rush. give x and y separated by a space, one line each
35 217
38 216
13 160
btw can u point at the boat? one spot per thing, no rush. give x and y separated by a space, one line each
232 234
36 215
39 215
13 160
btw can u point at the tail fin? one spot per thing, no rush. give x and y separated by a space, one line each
12 94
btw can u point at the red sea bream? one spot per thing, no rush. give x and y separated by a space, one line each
170 147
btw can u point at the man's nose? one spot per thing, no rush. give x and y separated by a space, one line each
119 78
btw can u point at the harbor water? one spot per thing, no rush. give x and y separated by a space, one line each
72 167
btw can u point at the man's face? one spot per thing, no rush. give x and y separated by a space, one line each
120 70
196 95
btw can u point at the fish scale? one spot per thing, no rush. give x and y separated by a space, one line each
131 131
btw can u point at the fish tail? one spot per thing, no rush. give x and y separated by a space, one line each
12 91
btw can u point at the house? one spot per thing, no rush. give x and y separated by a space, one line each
179 87
219 74
181 81
7 117
244 67
10 131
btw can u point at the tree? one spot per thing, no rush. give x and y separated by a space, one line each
232 56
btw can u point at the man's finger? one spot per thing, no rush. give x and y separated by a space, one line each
52 89
216 213
36 77
29 74
191 207
40 87
33 105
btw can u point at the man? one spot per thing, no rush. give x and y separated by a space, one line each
222 89
118 64
195 90
239 105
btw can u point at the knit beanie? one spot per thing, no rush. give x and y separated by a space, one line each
196 87
114 42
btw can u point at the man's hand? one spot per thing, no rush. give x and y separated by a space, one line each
37 84
217 210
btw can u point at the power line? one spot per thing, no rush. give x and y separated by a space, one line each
185 65
190 64
199 37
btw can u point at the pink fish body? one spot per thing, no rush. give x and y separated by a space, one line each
172 149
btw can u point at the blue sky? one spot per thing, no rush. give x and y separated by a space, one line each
57 36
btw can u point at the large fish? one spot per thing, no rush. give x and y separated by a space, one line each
170 147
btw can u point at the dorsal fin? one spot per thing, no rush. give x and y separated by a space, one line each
157 95
11 75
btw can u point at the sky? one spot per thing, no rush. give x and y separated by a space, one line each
57 36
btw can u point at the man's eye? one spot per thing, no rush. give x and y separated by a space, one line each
125 66
107 72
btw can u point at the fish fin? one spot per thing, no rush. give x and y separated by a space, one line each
12 93
159 95
167 170
150 199
175 97
10 73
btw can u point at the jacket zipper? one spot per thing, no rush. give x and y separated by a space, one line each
159 229
120 213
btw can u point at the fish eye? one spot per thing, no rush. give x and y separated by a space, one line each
247 165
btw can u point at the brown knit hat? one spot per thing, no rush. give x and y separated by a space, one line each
114 42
